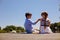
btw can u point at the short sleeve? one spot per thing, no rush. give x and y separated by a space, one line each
48 19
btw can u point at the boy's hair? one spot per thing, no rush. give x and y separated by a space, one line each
28 14
44 13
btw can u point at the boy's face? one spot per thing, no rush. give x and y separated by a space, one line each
29 17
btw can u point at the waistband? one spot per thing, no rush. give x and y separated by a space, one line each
44 25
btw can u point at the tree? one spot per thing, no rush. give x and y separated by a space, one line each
52 27
12 27
55 27
20 29
58 27
9 28
0 28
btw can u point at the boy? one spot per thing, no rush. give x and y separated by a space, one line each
45 23
28 24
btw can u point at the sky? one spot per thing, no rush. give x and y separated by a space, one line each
12 12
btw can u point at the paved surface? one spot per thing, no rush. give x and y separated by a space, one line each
10 36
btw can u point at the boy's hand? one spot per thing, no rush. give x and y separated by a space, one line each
37 20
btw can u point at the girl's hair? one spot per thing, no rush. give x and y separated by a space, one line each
45 14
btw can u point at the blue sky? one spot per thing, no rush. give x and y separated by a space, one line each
12 12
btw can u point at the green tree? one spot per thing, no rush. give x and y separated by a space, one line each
12 27
9 28
54 26
0 28
20 29
58 27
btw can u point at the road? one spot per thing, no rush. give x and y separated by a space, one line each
11 36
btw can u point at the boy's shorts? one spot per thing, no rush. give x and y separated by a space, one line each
29 31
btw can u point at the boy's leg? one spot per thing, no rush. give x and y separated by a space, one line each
29 31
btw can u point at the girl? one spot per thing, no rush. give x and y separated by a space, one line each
45 23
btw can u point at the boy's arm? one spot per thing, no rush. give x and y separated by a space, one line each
37 21
34 22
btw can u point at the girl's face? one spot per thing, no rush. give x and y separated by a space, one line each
44 16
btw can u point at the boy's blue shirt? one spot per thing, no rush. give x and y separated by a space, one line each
28 24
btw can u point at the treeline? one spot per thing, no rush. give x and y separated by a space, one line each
55 27
10 28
